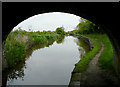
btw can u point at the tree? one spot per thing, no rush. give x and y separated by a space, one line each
60 31
87 27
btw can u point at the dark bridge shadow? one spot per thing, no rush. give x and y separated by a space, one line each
103 14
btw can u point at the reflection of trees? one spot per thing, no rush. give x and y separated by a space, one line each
50 43
83 46
13 73
38 46
82 51
18 71
82 43
60 39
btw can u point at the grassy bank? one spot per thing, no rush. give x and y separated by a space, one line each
82 65
105 59
18 42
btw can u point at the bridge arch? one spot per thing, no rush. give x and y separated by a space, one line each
103 14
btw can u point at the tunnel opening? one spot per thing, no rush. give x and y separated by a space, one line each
85 13
19 28
25 38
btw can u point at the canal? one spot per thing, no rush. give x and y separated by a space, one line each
48 65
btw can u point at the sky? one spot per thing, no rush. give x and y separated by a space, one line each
50 21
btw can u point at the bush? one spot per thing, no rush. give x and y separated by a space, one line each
87 27
14 52
16 45
60 31
40 39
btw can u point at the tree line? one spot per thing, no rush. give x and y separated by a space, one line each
87 27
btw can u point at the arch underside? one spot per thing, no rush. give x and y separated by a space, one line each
102 14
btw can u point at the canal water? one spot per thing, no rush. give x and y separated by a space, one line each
51 65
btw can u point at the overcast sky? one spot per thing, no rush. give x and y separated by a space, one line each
50 21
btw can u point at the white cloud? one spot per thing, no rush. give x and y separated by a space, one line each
50 21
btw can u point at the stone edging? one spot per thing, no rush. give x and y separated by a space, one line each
89 41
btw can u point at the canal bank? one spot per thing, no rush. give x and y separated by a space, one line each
18 42
85 78
55 61
76 73
102 74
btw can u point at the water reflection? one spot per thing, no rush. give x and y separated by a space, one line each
38 46
60 39
14 73
18 71
83 46
51 66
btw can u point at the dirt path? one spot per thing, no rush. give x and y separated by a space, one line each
92 67
94 76
93 73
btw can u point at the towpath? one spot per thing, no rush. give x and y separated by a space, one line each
94 76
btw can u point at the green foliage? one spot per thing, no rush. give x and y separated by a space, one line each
74 32
60 39
40 39
82 65
14 51
60 31
19 32
87 27
17 44
82 43
106 57
44 38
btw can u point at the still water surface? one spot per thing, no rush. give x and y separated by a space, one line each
49 65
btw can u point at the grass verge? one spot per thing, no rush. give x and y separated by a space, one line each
82 65
106 57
